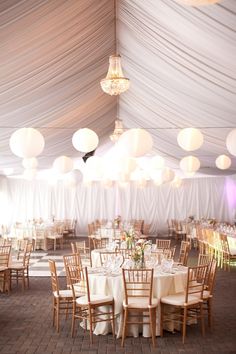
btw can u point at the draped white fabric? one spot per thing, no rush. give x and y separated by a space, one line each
52 57
203 197
180 61
181 64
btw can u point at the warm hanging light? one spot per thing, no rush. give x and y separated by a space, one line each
118 131
198 2
115 83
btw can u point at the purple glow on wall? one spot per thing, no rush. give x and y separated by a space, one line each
230 189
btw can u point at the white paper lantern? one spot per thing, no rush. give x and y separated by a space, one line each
231 142
74 178
30 174
190 164
177 182
157 162
190 139
85 140
126 165
63 164
107 183
167 175
197 2
135 142
95 162
223 162
157 177
30 163
27 142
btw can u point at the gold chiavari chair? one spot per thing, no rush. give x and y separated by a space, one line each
138 285
164 244
227 256
208 289
170 228
62 299
20 269
106 256
4 271
190 302
88 307
204 259
126 253
183 253
84 252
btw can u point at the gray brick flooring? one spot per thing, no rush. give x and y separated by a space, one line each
26 326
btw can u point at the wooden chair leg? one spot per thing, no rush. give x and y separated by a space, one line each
202 319
209 310
57 314
91 325
113 320
73 321
125 313
153 325
161 319
184 323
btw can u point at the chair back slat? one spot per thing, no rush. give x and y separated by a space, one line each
196 281
54 277
138 283
5 255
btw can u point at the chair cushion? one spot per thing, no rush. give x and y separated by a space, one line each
206 294
232 251
140 302
179 299
64 293
16 266
94 299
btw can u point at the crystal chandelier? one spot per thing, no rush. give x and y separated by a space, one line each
115 83
197 2
118 131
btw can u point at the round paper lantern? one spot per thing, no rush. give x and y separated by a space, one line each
27 142
75 177
63 164
223 162
30 163
107 183
156 175
135 142
177 182
190 164
197 2
190 139
30 174
167 175
95 162
231 142
126 165
157 162
92 174
85 140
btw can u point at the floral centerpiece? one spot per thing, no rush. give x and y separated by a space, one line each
129 237
138 253
117 221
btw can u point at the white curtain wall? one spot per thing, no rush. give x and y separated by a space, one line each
204 197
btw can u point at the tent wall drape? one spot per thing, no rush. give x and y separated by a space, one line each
204 197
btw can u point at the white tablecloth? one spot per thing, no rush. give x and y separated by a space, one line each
163 284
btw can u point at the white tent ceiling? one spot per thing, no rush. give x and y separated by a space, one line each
180 61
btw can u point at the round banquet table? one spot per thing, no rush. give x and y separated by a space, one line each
108 284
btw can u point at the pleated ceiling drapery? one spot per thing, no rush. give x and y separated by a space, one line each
53 55
181 64
180 61
203 197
